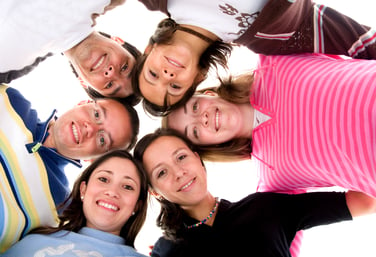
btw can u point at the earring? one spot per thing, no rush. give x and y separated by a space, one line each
82 197
133 213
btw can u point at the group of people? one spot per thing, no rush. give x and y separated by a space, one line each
306 114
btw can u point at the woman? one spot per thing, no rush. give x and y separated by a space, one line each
266 27
195 223
309 121
102 216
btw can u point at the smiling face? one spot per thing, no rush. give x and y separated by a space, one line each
111 195
91 129
104 64
207 119
178 174
168 72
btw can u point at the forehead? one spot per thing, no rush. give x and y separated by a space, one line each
119 167
169 144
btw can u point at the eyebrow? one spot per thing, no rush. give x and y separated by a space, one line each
112 173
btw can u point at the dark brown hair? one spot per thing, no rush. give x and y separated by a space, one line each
72 217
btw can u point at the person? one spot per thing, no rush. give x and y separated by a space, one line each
267 27
67 27
293 115
196 223
102 215
33 155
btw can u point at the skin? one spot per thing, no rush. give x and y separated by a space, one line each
208 119
178 175
170 69
111 195
91 129
104 64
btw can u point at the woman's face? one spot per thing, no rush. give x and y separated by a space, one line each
178 174
207 119
111 195
168 72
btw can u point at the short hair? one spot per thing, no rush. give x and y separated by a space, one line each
132 99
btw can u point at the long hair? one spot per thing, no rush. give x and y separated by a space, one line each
72 217
170 218
235 90
216 55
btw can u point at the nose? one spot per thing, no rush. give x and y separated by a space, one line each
109 71
179 171
111 192
205 119
168 74
91 129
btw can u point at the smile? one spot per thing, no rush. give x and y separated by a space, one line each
98 63
75 133
186 185
108 206
216 120
176 64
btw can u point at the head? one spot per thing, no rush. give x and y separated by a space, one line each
94 128
212 119
177 177
169 72
110 195
105 65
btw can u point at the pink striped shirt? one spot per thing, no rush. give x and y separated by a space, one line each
322 130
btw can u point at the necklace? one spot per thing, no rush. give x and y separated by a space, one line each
208 217
195 33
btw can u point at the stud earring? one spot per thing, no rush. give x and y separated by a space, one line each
82 197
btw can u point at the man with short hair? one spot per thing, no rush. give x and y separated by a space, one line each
33 155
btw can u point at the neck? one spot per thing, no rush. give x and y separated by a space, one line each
247 114
201 210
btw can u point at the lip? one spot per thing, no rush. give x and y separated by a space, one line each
75 133
187 185
108 205
174 62
98 63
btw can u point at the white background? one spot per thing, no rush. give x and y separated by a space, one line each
52 85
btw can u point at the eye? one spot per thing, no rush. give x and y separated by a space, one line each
97 115
128 187
102 140
124 68
153 74
161 173
195 132
195 106
103 179
181 157
174 86
109 85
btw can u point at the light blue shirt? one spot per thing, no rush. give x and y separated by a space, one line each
87 242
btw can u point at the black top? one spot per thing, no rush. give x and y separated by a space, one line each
261 224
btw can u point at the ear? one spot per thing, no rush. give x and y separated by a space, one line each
210 93
149 48
83 188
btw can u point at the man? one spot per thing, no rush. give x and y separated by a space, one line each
33 155
34 30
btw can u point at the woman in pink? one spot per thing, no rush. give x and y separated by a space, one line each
317 122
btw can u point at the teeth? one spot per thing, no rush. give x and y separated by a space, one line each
187 185
75 133
108 206
217 120
101 60
175 63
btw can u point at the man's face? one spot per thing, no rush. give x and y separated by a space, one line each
104 64
92 129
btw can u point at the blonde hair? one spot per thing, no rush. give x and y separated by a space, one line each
234 89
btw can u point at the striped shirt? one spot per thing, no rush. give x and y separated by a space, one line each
322 130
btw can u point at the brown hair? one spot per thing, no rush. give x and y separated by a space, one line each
215 55
235 89
72 217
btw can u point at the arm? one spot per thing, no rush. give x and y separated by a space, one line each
360 203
